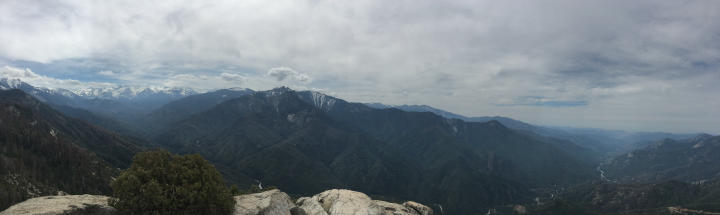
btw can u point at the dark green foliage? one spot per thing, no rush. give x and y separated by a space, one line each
43 152
159 182
234 190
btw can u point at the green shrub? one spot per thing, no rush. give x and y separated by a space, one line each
159 182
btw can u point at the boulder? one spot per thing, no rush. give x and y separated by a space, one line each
387 208
61 205
346 202
309 206
419 208
272 202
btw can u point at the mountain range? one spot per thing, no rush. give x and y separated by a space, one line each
604 141
305 142
694 159
125 104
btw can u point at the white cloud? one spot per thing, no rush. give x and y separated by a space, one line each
37 80
107 73
286 73
463 55
206 82
237 78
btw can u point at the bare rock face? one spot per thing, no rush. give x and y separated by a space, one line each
309 206
419 208
61 205
387 208
273 202
348 202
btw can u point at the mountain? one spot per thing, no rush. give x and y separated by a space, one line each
503 151
134 93
60 96
142 97
509 122
274 137
125 104
178 109
305 142
43 152
603 141
146 98
694 159
420 108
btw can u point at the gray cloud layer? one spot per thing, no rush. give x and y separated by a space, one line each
649 65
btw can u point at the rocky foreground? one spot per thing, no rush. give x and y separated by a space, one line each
273 202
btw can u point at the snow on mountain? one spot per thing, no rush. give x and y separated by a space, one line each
130 93
14 83
322 101
112 93
6 83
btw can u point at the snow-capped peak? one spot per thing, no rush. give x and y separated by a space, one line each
10 83
126 92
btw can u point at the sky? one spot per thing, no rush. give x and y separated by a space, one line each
633 65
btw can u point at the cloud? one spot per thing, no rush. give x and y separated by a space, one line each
624 58
232 77
37 80
286 73
544 101
107 73
206 82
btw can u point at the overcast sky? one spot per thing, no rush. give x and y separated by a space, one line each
635 65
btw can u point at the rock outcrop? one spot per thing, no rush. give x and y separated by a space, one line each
420 208
273 202
348 202
309 206
61 205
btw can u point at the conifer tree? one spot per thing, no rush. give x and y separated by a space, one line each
159 182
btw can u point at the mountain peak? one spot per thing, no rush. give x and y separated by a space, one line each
8 83
279 91
238 89
128 92
282 89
